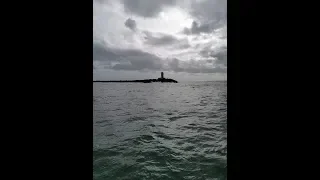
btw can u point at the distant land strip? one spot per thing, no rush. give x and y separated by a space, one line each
142 81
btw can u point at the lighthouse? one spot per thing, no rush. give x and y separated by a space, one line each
162 77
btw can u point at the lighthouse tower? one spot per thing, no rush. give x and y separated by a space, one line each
162 77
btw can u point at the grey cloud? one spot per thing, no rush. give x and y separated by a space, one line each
128 59
192 66
205 52
208 10
209 20
146 8
131 24
102 53
214 70
100 64
199 28
100 1
127 67
184 45
220 54
223 33
138 60
174 64
211 13
161 39
205 70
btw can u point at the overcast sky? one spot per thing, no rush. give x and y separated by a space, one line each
137 39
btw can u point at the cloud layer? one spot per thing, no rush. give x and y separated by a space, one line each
146 8
151 35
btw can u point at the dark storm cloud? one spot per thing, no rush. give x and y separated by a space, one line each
146 8
131 24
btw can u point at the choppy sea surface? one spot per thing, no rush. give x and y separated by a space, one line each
160 131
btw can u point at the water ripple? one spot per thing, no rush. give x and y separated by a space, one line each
160 131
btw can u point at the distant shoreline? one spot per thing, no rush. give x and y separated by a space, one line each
163 80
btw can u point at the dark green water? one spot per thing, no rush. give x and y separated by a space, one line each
160 131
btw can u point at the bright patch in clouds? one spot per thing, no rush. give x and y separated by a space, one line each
171 21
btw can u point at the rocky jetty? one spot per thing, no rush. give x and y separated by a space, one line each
161 79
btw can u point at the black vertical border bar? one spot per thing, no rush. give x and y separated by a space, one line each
48 115
233 101
71 90
244 90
